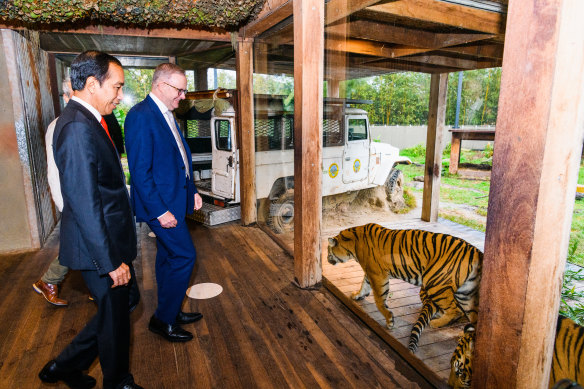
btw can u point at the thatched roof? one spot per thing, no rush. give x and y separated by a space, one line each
227 14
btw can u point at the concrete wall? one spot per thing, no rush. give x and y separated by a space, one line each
404 137
27 214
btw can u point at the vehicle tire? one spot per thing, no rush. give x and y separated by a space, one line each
394 188
281 215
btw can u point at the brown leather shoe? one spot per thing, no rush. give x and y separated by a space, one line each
50 292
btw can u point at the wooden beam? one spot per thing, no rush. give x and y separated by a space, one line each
399 66
434 147
308 110
382 32
538 145
170 33
244 80
269 19
341 9
442 60
484 51
435 11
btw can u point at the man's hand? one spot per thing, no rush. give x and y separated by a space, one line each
198 201
120 276
167 220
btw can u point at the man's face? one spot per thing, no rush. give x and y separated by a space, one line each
171 88
109 94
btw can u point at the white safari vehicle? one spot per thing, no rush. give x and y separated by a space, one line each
350 159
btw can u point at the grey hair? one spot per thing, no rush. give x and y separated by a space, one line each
165 70
67 90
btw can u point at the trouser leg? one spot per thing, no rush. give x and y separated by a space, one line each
175 260
106 335
56 272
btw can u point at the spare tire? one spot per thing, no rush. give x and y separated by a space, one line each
394 189
281 214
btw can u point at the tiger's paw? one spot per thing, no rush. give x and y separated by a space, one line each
358 295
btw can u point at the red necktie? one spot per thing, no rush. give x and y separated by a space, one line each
104 125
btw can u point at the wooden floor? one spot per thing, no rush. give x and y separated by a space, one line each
432 358
261 332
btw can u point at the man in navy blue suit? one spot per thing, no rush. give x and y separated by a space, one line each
98 233
163 193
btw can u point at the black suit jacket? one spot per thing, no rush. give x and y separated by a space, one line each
97 224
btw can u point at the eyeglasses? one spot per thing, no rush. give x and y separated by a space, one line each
180 91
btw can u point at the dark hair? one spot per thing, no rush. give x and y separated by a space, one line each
90 63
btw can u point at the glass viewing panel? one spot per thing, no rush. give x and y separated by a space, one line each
223 135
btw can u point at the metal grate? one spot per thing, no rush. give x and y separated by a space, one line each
198 128
332 134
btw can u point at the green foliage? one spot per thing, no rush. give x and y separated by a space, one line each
402 98
229 14
398 98
479 98
571 301
488 150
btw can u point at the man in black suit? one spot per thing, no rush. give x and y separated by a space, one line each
98 233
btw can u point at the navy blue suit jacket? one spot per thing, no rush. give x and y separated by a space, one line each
97 224
157 170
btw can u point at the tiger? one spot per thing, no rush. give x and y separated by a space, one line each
447 268
567 362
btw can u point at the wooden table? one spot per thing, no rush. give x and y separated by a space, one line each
458 134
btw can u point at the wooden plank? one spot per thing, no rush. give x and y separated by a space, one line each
445 13
434 147
381 330
528 227
341 9
216 34
308 76
383 32
268 19
244 79
484 51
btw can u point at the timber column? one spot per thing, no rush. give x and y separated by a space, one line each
538 145
244 59
308 84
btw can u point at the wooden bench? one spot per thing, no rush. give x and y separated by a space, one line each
458 134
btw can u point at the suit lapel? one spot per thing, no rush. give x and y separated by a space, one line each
98 128
164 124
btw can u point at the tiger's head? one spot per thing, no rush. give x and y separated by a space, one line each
461 362
341 248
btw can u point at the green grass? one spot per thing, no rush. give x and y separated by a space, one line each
475 193
464 221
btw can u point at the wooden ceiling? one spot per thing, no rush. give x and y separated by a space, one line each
363 38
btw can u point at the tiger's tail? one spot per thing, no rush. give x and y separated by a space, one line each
428 311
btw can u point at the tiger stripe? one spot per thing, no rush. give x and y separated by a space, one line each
447 268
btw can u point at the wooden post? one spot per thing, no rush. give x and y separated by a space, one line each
308 79
201 82
538 144
434 147
244 79
333 88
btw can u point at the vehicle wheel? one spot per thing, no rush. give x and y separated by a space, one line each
394 188
281 216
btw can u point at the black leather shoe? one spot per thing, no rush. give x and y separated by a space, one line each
170 332
188 317
74 379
